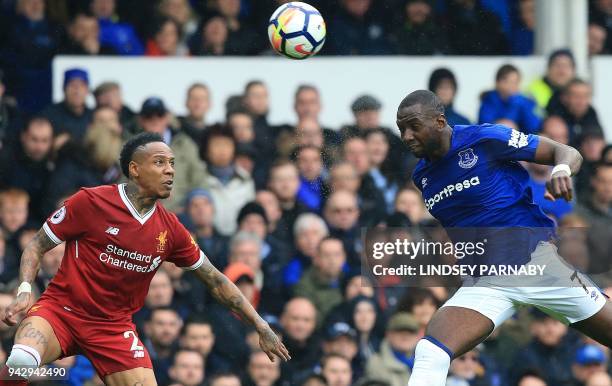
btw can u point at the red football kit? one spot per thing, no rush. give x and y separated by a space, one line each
112 253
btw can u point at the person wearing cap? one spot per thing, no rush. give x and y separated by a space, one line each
155 117
366 111
560 70
199 219
340 338
588 360
443 83
393 362
71 116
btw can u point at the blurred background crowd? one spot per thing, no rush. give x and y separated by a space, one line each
279 208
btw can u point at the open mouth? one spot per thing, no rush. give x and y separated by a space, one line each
169 183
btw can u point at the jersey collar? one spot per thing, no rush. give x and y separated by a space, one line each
131 208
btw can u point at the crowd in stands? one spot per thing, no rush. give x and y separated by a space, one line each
279 209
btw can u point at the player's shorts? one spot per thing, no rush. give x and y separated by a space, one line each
562 292
110 346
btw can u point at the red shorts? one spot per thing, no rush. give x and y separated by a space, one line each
110 346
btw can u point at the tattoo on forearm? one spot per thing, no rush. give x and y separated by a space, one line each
32 255
225 291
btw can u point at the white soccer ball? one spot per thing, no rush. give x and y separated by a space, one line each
297 30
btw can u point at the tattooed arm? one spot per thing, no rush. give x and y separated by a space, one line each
226 292
30 263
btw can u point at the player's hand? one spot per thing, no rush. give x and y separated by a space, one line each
20 304
559 186
271 344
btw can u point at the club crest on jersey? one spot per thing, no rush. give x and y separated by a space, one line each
161 241
467 158
59 215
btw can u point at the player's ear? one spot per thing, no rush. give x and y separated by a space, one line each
441 121
133 168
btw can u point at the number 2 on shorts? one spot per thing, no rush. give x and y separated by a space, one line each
138 349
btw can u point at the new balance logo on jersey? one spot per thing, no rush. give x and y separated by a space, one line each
517 139
112 231
448 191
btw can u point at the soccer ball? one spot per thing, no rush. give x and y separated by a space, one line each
296 30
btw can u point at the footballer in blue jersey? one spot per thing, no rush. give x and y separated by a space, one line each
469 176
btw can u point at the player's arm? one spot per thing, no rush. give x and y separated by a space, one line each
30 263
229 295
566 161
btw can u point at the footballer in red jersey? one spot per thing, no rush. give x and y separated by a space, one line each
116 238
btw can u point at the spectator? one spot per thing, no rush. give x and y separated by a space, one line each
241 123
597 39
198 104
261 371
531 378
224 379
336 369
366 111
92 164
13 212
590 145
473 30
550 351
257 102
165 39
241 39
71 116
107 117
381 170
601 13
181 13
467 369
309 230
418 34
364 318
443 83
31 43
312 189
26 165
314 379
84 37
589 360
299 319
188 368
408 201
271 205
555 128
284 183
211 39
343 176
122 37
421 304
522 37
560 70
371 199
10 115
230 186
108 94
340 339
576 109
395 359
162 332
341 213
155 118
307 105
199 219
320 283
600 378
505 102
308 132
356 30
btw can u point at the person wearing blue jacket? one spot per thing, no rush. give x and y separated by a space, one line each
505 102
443 83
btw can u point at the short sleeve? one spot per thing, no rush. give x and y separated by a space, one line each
506 144
185 253
70 221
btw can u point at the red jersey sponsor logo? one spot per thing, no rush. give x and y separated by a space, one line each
129 260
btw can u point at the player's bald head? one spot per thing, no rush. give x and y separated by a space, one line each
137 147
423 101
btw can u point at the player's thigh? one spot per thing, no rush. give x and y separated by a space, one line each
140 376
598 326
36 332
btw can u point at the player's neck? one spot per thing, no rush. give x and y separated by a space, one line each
141 203
445 145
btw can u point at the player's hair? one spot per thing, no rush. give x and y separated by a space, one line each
504 71
197 85
425 98
223 374
132 145
105 87
305 87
